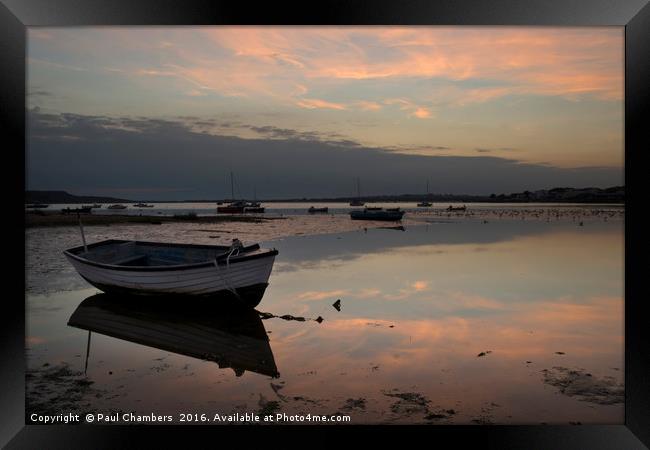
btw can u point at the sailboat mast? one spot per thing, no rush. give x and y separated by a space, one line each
232 188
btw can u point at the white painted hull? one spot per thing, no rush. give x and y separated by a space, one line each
199 281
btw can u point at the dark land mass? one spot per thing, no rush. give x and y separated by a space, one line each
615 194
64 197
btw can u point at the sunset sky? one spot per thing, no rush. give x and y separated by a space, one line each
303 110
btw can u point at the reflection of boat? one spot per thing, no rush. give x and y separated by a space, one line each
357 201
376 215
313 210
150 268
456 208
116 207
142 205
221 331
82 210
37 206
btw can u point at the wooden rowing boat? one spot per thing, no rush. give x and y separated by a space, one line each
154 268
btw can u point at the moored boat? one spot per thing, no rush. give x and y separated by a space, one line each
142 205
254 209
457 208
373 208
424 203
232 208
154 268
313 210
82 210
377 215
116 207
357 201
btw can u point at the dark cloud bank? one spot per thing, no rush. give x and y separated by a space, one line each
170 159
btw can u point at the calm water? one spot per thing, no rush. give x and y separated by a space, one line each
540 301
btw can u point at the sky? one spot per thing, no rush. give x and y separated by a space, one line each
168 112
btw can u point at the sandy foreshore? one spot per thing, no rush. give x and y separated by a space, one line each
42 219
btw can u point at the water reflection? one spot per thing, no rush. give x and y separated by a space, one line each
213 329
463 322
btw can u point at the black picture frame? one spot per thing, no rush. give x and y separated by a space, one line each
634 15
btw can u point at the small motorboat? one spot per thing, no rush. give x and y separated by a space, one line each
142 205
223 331
457 208
254 207
377 215
116 207
313 210
392 209
155 268
356 203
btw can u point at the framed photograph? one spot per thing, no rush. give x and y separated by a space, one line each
420 216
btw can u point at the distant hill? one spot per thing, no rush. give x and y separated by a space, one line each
64 197
615 194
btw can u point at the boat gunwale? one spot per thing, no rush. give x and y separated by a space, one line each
176 267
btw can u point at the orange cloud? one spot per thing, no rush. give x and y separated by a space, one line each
322 104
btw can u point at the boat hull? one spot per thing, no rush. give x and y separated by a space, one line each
230 209
246 279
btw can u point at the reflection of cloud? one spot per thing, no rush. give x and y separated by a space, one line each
416 287
34 340
321 295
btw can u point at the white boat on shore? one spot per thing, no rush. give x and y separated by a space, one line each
153 268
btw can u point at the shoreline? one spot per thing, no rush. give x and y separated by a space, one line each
57 219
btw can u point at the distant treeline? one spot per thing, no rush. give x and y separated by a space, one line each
614 194
63 197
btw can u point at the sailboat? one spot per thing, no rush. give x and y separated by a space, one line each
234 207
358 201
424 203
254 206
